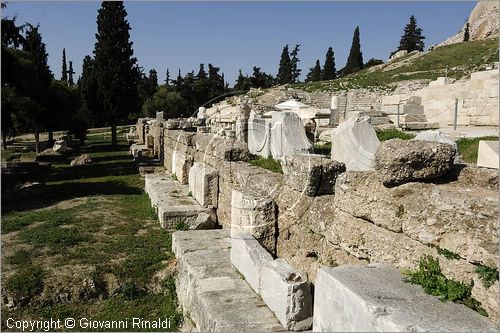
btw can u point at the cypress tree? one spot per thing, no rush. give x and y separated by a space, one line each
314 74
242 82
167 80
71 83
285 68
88 93
294 63
38 54
329 71
466 32
116 68
412 38
355 59
64 72
152 81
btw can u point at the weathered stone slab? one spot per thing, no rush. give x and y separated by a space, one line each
487 155
223 149
412 118
259 136
287 294
211 291
354 143
311 174
400 161
204 184
374 298
254 214
181 163
288 136
248 256
413 109
417 126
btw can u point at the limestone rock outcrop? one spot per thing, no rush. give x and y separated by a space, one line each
399 161
483 22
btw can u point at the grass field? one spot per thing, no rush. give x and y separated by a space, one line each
87 244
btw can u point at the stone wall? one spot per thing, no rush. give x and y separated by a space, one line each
364 221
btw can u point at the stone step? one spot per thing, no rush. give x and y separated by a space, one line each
211 291
174 203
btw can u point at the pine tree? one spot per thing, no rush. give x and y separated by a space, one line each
466 32
314 74
116 68
242 82
294 62
285 68
329 71
215 82
64 73
412 38
167 80
355 59
152 81
71 83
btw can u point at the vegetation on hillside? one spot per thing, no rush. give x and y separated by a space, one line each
461 59
266 163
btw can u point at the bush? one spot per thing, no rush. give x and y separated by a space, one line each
487 274
26 283
429 276
266 163
394 134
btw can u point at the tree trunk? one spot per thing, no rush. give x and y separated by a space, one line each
114 142
51 137
4 137
37 140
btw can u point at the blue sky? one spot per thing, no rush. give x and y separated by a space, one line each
234 35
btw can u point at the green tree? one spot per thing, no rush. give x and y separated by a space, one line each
71 83
412 38
329 71
88 94
466 32
261 79
373 62
116 68
355 59
314 74
215 82
170 102
167 80
64 71
39 98
294 63
242 82
285 68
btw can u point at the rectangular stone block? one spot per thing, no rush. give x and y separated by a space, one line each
311 174
204 184
374 298
181 163
391 109
248 256
487 155
414 100
287 294
256 215
412 118
413 109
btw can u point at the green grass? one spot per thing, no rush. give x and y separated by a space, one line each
461 59
447 253
180 224
111 227
487 274
394 134
323 149
429 276
26 282
266 163
468 147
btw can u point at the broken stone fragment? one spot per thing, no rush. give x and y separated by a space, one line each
399 161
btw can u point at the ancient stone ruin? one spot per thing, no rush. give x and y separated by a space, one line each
323 244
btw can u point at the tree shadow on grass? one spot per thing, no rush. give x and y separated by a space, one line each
46 195
123 168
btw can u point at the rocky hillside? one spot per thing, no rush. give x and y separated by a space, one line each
483 22
461 60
